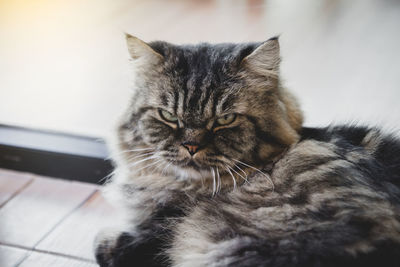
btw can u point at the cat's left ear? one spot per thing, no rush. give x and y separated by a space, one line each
139 50
265 58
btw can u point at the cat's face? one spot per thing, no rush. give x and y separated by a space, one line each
207 108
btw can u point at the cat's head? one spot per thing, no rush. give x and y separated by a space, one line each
196 108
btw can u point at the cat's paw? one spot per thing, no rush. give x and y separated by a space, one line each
115 248
104 247
108 246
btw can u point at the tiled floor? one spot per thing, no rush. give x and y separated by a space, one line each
49 222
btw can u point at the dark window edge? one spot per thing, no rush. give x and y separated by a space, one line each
54 154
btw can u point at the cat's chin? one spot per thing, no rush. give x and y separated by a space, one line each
188 173
190 169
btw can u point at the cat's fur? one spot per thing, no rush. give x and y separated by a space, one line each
261 191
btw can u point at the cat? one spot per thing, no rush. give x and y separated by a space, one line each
214 168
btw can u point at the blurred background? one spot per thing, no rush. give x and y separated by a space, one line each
64 67
64 64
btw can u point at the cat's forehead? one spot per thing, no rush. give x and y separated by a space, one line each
198 82
220 59
203 52
200 78
204 62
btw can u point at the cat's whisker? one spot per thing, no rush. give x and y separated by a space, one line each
240 169
157 168
234 180
214 183
134 150
142 155
106 178
142 160
149 165
163 170
142 149
259 171
202 179
218 180
224 159
129 151
244 178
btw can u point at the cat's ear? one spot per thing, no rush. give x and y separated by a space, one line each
140 50
264 59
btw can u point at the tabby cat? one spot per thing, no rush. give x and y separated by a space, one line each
214 168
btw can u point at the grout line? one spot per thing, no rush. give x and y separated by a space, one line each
55 226
22 188
65 217
28 249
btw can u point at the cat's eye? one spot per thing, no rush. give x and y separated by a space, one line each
168 116
226 119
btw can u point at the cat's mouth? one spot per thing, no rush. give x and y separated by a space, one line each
192 164
192 169
199 165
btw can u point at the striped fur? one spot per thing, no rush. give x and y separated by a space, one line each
260 191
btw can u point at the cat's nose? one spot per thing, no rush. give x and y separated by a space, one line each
192 147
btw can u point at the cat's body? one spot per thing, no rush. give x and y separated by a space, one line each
253 189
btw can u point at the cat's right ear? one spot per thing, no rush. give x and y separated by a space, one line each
139 50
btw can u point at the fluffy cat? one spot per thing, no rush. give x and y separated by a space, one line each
214 168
